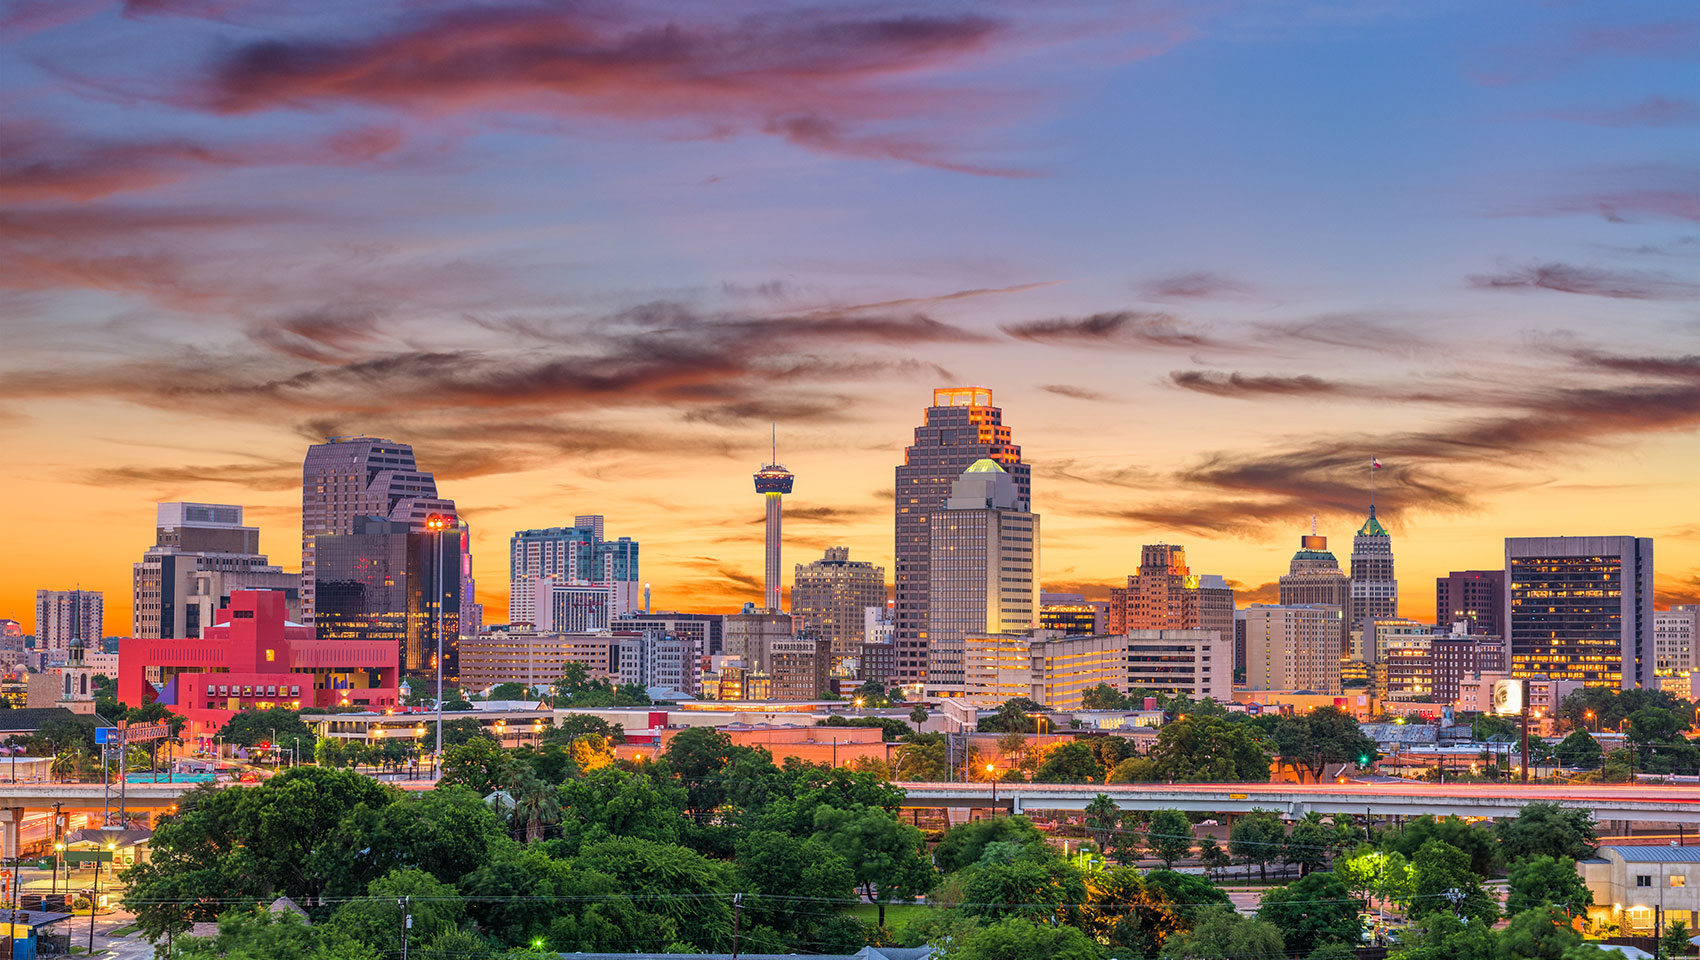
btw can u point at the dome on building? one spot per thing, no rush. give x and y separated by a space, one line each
984 465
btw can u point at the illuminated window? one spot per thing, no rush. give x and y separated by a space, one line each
1679 881
271 655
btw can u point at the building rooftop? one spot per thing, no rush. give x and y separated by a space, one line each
1372 527
984 465
1652 853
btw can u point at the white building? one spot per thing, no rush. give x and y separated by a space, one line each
1643 889
1676 638
65 615
1056 670
1293 647
983 562
561 606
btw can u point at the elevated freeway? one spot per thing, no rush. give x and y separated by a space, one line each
1627 801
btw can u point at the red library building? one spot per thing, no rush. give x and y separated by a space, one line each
253 657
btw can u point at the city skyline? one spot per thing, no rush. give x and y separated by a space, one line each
1209 261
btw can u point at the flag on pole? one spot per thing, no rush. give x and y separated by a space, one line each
1374 464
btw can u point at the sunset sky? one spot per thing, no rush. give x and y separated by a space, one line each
1209 257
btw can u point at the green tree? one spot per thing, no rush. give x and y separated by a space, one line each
376 921
479 763
250 728
1442 935
1170 833
1313 911
1543 881
1475 841
1579 749
698 755
1324 736
535 804
1200 749
1103 817
1258 837
447 832
1223 933
798 883
1034 882
922 758
1674 941
1071 762
1543 933
1019 715
892 729
690 892
1019 939
1547 829
1102 697
966 843
1489 726
1442 869
888 856
1211 854
1309 844
919 715
1371 872
262 935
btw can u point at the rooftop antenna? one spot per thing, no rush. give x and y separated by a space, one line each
1313 524
774 439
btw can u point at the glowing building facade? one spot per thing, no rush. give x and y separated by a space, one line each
1581 608
961 427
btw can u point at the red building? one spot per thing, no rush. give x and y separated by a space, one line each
252 657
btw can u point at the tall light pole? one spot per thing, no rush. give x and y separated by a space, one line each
436 524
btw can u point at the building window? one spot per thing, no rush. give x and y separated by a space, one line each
1679 881
1643 880
271 655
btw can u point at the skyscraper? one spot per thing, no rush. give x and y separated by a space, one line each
984 565
830 599
1581 608
1292 647
348 479
201 555
773 482
1166 595
961 427
1375 591
65 615
1676 638
1475 597
384 581
1314 576
575 554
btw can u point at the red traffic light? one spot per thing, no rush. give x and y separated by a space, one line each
266 745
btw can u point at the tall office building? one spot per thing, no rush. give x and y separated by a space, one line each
830 599
773 482
1057 671
960 428
1472 597
1314 576
704 629
348 479
384 581
983 558
576 555
1581 608
65 615
1166 595
201 555
1375 590
1676 638
1292 647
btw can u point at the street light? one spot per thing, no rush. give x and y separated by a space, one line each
989 775
437 523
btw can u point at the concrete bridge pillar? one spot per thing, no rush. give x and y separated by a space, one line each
11 821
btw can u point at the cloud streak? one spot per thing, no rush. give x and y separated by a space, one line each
1127 329
1589 281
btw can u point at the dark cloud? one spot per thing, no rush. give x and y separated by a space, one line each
324 336
1624 195
1262 593
1239 384
1075 393
1591 281
1200 285
257 476
823 80
1350 331
1125 328
1598 401
827 514
1670 590
43 163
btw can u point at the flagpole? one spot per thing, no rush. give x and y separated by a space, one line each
1371 484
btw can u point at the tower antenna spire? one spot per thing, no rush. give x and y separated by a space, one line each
1313 524
773 439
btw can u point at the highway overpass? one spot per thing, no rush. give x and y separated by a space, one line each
1628 801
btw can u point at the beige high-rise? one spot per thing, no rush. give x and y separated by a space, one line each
830 599
1293 647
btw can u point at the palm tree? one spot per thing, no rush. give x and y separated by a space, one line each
66 762
534 803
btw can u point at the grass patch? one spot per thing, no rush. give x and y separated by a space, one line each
125 931
897 915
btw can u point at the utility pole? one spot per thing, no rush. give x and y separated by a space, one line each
406 904
1525 733
737 902
435 523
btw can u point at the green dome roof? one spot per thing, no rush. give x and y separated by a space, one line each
1372 527
984 466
